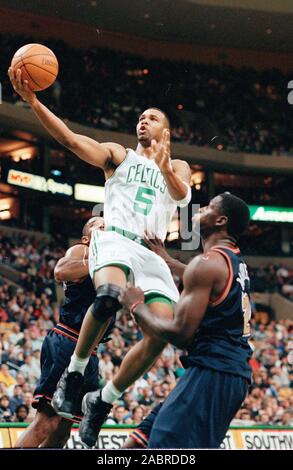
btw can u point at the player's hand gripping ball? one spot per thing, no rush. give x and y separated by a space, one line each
38 65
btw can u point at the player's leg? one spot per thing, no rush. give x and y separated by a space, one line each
97 405
197 413
108 269
108 281
143 354
59 436
140 436
45 423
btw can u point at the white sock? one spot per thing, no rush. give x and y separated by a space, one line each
77 364
110 393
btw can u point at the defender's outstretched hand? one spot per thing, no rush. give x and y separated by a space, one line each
21 87
156 245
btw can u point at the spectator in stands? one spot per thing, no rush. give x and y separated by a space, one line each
287 419
5 376
28 400
146 397
21 414
17 399
16 335
136 416
106 364
5 412
243 418
30 369
118 415
20 380
117 340
3 354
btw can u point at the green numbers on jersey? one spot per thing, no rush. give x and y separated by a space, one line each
144 200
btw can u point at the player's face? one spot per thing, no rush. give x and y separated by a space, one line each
151 124
209 216
95 223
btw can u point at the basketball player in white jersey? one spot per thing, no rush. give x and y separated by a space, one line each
143 189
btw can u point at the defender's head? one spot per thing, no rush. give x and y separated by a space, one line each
94 223
226 214
151 124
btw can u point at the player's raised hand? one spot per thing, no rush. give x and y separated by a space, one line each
161 150
21 87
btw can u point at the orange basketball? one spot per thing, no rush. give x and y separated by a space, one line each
38 65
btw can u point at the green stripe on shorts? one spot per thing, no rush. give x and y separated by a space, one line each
157 297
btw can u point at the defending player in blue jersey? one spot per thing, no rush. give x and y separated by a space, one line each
49 429
212 321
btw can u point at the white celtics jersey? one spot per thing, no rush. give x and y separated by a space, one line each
137 198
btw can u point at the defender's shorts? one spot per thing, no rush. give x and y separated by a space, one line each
56 352
198 411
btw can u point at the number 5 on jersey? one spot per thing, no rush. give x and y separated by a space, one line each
144 200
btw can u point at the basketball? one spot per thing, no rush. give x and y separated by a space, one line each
38 65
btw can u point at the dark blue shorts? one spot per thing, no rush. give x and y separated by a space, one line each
142 432
56 352
198 411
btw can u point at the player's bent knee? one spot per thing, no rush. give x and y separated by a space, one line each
106 303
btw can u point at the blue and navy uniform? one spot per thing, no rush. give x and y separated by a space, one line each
197 413
141 434
60 342
78 297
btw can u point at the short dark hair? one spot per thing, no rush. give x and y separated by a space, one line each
22 406
237 212
4 397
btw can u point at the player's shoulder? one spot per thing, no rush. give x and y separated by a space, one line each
79 250
179 161
114 148
113 145
181 167
176 162
117 156
204 261
206 267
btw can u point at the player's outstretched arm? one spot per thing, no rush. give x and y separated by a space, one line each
87 149
200 278
74 265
